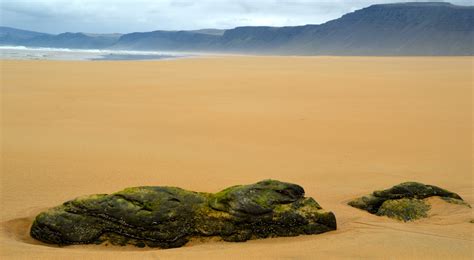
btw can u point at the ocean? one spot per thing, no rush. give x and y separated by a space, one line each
39 53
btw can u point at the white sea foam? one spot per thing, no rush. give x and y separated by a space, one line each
44 53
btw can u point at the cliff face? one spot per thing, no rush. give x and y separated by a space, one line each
396 29
391 29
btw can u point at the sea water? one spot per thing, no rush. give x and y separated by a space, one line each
39 53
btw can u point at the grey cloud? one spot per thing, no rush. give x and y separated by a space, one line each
108 16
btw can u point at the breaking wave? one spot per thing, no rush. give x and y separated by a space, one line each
46 53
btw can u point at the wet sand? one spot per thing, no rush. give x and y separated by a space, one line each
339 126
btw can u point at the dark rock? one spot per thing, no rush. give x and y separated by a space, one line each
168 217
456 201
404 201
414 190
369 203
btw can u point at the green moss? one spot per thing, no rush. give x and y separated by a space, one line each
308 206
168 216
279 209
264 198
219 199
403 201
404 209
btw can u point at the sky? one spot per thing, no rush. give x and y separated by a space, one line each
120 16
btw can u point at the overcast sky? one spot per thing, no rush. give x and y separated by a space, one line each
95 16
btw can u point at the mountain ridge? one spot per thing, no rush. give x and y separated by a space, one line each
411 28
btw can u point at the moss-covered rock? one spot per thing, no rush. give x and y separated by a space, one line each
404 209
168 217
404 201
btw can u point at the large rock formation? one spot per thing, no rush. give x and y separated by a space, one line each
404 201
168 217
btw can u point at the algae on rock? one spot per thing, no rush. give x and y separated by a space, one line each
404 209
404 201
168 217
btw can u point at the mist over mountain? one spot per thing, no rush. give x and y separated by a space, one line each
74 40
168 40
16 36
12 36
386 29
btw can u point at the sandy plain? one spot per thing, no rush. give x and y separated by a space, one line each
339 126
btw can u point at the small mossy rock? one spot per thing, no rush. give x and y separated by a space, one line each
404 209
168 217
404 201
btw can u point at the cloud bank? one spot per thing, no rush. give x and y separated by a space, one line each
56 16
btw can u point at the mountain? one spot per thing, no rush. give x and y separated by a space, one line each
167 40
426 28
395 29
12 36
73 40
387 29
210 31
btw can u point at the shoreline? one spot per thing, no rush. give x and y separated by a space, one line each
65 54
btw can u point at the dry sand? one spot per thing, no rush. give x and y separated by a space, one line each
339 126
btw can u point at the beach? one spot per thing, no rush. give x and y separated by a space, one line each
340 127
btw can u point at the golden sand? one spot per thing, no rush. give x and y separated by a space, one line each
339 126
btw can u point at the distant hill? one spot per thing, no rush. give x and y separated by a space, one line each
427 28
167 40
12 36
74 40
